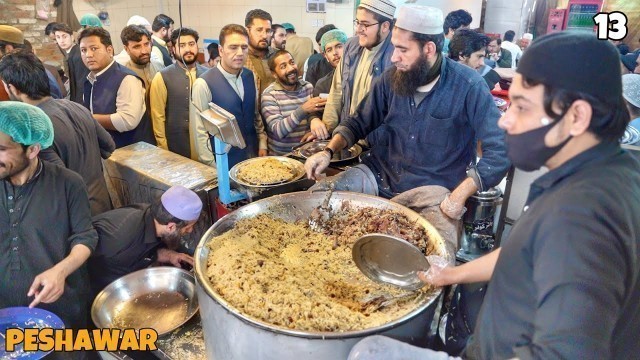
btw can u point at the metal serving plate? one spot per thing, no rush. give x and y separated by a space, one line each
148 298
389 259
295 165
314 147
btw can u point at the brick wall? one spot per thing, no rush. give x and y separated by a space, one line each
22 14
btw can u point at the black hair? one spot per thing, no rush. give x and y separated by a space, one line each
185 31
509 35
256 14
323 30
496 38
232 29
61 27
456 19
634 111
423 39
608 119
102 33
164 217
213 50
48 30
271 61
134 33
275 27
161 21
26 72
465 42
3 46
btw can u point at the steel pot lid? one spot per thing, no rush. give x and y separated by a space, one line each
391 260
490 194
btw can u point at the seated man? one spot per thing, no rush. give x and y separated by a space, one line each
288 108
566 283
133 237
468 47
501 56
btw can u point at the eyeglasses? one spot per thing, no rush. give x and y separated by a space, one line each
358 25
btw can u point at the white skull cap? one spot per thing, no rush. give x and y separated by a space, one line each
420 19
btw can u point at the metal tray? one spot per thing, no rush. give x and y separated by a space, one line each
296 165
346 155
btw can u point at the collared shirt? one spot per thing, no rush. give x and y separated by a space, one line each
433 142
130 101
567 281
155 51
201 97
260 69
515 50
235 80
361 85
128 242
362 80
286 121
145 72
79 143
158 100
40 222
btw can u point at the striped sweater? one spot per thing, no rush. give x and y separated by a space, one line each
282 112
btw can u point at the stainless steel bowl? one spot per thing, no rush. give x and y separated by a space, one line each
162 298
231 334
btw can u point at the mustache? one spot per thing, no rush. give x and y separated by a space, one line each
291 73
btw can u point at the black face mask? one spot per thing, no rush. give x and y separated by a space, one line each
528 152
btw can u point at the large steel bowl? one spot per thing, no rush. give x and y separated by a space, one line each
230 334
148 292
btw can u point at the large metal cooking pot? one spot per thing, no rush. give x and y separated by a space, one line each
229 334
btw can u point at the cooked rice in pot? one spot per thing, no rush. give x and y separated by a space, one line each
290 276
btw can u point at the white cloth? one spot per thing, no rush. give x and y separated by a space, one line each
420 19
515 51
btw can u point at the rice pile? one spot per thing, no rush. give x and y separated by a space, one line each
265 171
290 276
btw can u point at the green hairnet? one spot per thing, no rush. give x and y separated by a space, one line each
90 20
26 124
331 36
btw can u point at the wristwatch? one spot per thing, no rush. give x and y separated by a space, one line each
327 149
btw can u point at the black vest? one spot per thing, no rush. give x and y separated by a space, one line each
176 112
223 95
166 57
105 91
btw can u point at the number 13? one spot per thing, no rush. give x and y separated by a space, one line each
611 26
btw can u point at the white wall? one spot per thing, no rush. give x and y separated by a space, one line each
503 15
447 6
208 17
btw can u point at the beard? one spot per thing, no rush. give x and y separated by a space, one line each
285 79
405 83
172 240
141 61
188 62
20 165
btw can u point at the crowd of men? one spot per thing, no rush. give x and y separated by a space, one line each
412 85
